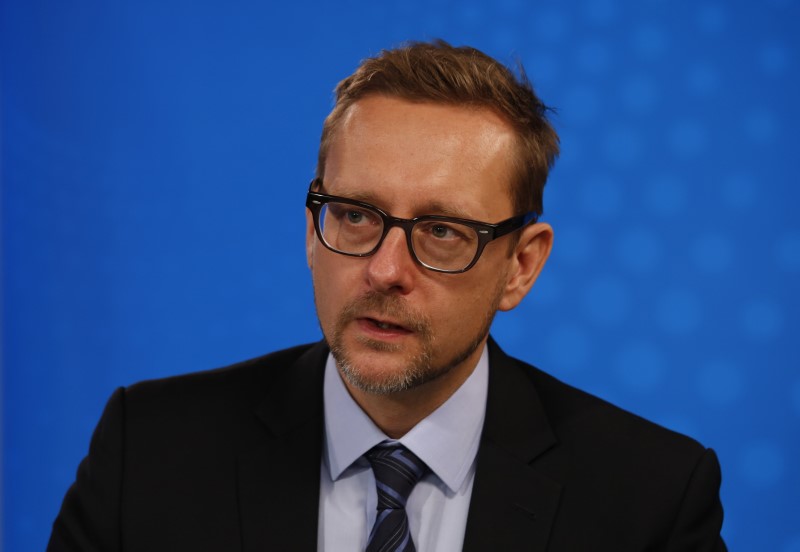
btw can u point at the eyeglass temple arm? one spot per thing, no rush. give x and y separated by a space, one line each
515 223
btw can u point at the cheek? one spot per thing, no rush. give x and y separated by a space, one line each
334 283
462 304
481 296
311 239
322 287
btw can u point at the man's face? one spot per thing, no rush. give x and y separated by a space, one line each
391 323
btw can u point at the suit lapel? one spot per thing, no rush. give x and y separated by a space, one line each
512 503
278 483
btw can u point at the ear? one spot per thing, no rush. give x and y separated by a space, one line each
311 237
527 261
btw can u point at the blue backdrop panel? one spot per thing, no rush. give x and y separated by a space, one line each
155 157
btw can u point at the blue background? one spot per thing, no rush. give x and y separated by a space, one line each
155 157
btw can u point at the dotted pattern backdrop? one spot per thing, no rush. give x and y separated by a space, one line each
155 158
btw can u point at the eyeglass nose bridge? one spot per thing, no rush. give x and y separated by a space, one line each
406 225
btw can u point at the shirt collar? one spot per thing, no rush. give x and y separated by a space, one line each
447 440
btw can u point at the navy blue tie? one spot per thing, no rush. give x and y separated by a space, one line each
396 471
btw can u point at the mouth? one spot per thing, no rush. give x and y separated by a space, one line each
384 328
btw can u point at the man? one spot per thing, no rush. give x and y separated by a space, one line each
407 428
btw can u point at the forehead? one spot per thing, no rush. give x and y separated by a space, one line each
412 156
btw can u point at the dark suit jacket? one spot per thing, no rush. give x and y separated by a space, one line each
229 460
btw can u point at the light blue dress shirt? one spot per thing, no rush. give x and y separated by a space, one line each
447 441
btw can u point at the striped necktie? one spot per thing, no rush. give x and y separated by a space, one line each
396 471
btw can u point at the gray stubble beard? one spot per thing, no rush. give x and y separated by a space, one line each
419 369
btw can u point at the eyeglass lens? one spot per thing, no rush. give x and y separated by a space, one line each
357 230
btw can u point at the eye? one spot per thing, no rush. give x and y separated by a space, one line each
351 215
445 231
441 231
355 216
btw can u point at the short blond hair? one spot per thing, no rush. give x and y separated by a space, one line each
440 73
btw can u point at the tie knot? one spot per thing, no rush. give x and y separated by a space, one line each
396 470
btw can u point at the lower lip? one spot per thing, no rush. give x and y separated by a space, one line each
369 326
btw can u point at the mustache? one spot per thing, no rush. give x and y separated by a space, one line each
373 303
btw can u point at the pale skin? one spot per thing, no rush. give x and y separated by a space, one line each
413 159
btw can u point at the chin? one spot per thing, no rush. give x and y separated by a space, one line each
384 369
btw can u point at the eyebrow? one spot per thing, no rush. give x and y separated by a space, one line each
430 208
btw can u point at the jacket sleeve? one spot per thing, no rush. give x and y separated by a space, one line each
699 520
89 520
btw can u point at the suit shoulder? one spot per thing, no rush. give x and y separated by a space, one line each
628 483
599 424
249 377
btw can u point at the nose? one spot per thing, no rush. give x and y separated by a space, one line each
391 268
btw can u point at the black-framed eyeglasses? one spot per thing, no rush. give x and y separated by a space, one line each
443 244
